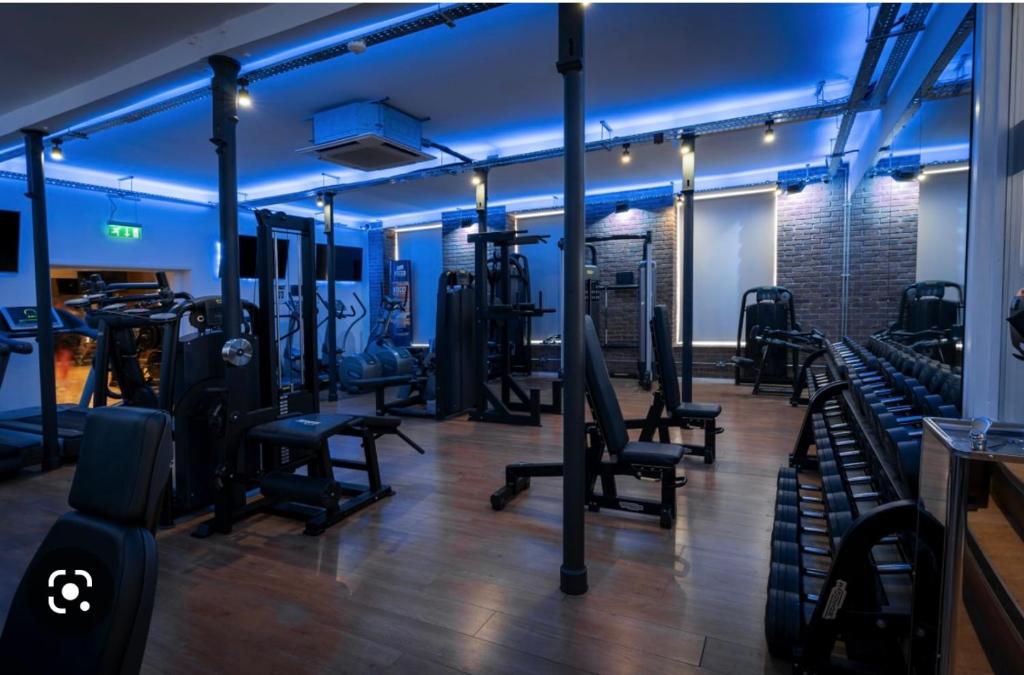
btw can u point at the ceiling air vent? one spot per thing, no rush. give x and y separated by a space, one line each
368 136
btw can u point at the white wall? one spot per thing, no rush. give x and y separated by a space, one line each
734 249
942 227
175 237
423 248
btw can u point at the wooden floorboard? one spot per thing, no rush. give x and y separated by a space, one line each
433 581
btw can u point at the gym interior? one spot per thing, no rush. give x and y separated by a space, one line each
501 338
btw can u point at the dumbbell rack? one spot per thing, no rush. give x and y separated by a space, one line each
846 532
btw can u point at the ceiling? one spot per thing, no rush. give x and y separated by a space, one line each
489 87
101 37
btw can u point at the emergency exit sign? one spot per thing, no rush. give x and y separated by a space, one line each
124 231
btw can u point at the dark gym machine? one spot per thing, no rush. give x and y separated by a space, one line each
444 385
769 341
928 321
640 283
495 313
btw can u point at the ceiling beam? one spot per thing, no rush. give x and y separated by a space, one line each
790 115
231 34
948 27
884 21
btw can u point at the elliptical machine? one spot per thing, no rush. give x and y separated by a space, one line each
394 360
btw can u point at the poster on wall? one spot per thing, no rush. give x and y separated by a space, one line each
401 288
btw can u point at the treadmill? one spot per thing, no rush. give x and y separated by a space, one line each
16 447
22 322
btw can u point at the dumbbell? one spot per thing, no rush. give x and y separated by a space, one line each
786 578
790 531
794 514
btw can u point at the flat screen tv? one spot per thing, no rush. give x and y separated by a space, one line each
348 263
247 257
10 235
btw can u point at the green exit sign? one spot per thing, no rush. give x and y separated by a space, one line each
124 230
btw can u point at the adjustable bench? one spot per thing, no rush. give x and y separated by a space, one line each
284 445
639 459
667 398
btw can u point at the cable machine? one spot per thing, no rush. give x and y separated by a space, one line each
598 306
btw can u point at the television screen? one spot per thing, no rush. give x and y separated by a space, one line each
247 257
10 235
348 263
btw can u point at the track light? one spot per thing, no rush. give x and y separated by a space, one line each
476 179
626 159
57 150
685 148
244 98
320 200
769 131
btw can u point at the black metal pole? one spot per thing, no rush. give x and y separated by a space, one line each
225 119
44 303
570 65
480 290
332 321
686 297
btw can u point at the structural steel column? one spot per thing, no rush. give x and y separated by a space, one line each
225 119
44 303
570 65
331 336
686 277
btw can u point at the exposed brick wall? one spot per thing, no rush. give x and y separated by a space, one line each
380 252
810 252
622 316
456 251
883 252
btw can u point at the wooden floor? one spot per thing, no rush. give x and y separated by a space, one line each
433 581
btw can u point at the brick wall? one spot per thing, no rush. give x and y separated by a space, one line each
380 252
456 251
810 252
655 214
883 252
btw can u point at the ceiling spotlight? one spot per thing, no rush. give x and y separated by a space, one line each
319 200
921 175
779 190
625 154
357 46
796 188
244 98
685 148
680 198
57 150
769 131
476 179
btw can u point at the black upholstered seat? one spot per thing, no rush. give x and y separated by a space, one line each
307 431
609 414
703 411
122 469
669 376
652 454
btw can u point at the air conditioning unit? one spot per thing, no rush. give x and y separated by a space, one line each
368 136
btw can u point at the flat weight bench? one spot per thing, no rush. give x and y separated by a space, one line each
667 398
639 459
315 497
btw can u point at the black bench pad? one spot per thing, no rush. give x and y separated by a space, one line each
703 411
302 431
652 454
